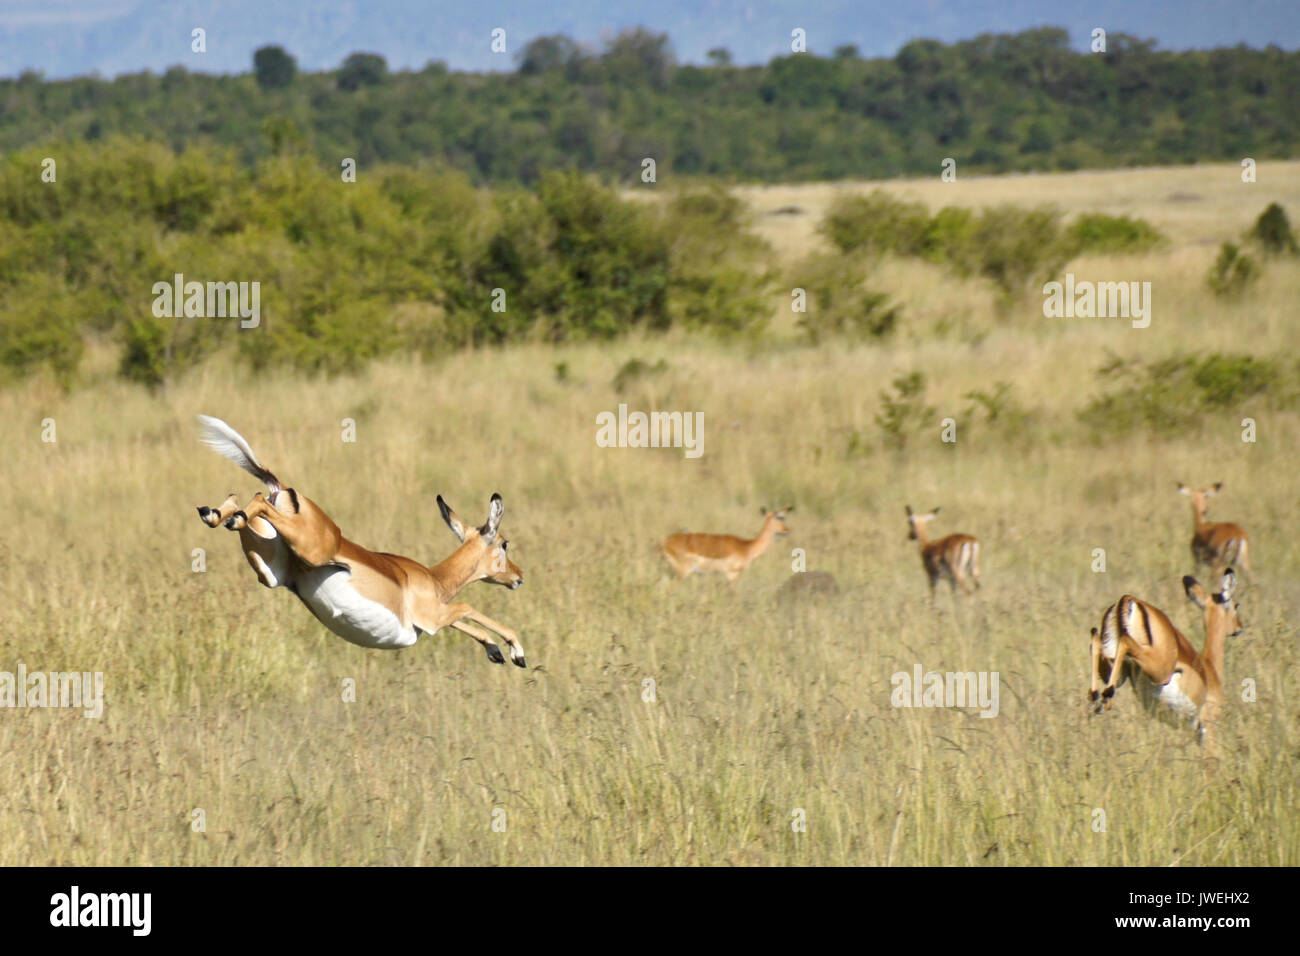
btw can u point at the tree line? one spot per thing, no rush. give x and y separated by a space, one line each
995 103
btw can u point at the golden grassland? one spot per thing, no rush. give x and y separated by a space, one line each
227 697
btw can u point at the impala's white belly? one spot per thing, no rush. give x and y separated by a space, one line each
328 592
1169 701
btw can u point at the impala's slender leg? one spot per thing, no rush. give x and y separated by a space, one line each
311 536
516 649
215 516
454 615
1144 657
484 638
1096 670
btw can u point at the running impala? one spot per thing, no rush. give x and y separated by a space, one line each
369 598
956 557
1174 682
1217 544
723 553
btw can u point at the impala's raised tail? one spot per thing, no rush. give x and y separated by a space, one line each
227 442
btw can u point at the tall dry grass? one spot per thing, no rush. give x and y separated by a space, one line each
226 697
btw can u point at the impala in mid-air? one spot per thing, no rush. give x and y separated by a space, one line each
1137 641
956 557
723 553
1220 543
369 598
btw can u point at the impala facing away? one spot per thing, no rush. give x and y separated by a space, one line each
724 553
1217 544
1172 680
956 557
369 598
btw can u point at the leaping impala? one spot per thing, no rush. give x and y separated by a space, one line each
1171 679
956 557
1216 543
723 553
369 598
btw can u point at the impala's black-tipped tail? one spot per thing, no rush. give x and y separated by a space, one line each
227 442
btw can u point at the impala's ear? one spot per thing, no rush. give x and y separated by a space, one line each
496 510
934 511
1195 593
1227 587
908 509
763 510
1183 489
1218 486
449 516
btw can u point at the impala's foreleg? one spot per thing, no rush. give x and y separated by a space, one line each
484 638
516 649
458 613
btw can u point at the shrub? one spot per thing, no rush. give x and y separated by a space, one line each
714 280
1272 231
1097 232
841 305
1171 395
904 413
877 223
1233 272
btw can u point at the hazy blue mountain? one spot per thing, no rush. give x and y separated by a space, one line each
69 37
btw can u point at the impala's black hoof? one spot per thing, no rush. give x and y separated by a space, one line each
494 655
521 663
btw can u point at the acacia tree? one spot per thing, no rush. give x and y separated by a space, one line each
274 67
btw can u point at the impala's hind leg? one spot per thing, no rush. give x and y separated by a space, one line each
307 530
1095 684
215 516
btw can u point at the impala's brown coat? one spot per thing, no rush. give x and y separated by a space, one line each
1215 543
722 553
956 557
1138 640
287 537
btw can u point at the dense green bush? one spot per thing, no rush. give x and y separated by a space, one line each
841 305
401 259
1272 231
1171 395
1010 245
1097 232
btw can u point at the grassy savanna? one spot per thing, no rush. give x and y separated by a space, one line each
227 697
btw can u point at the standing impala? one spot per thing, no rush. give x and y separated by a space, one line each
1172 680
723 553
956 557
1217 544
369 598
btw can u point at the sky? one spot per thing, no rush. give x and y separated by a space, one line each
63 38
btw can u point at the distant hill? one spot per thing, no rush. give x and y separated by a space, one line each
1023 101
